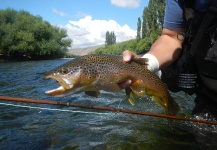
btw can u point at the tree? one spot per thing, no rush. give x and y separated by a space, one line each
145 27
22 34
138 37
110 38
153 17
113 37
152 22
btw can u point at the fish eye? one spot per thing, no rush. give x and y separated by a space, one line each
64 71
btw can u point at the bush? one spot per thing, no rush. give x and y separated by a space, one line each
22 34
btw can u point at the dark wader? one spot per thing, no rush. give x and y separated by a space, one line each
198 61
196 72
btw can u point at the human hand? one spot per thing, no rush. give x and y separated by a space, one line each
127 56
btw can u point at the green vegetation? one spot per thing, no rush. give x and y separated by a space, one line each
148 30
110 38
24 36
137 47
138 37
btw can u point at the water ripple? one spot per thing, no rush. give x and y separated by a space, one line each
31 126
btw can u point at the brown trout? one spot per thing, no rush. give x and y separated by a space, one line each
92 73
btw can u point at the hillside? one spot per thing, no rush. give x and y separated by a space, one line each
83 51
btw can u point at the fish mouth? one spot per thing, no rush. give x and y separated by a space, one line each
65 85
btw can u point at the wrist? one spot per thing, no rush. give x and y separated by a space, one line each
153 64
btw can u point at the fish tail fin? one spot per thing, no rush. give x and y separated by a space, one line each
173 106
173 109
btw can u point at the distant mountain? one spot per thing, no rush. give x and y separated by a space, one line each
83 51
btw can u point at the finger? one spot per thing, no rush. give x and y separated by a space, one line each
128 55
125 84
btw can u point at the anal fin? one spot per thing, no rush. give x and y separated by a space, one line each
159 102
138 87
131 96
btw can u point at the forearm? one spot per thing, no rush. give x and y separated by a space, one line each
167 48
162 53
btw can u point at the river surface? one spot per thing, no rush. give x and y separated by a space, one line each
39 127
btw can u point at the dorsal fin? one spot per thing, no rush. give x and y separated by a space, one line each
141 61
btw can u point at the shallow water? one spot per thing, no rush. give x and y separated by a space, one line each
37 126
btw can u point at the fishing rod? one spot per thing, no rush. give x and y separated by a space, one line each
26 100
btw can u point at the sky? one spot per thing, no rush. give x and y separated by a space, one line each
86 21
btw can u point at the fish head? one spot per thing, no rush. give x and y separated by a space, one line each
71 80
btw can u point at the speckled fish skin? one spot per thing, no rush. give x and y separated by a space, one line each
92 73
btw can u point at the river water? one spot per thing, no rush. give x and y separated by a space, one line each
37 126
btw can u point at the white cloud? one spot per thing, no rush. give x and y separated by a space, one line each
59 12
81 15
88 32
126 3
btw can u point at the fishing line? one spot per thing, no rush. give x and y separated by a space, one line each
26 100
52 109
120 103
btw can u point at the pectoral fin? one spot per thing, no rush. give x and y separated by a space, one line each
92 93
111 87
131 96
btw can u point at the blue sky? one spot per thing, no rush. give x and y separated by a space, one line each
86 21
